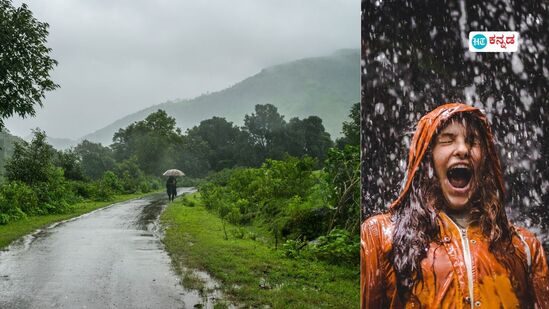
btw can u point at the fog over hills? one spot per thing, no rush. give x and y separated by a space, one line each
322 86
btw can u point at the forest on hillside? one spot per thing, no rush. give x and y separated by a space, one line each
323 86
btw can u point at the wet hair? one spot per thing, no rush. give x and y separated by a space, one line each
417 223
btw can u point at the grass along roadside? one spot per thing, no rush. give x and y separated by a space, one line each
14 230
251 272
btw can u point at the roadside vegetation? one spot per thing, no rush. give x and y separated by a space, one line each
291 200
252 272
282 234
39 181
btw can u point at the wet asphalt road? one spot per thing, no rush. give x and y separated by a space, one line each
110 258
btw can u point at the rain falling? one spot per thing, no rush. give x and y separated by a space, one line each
415 57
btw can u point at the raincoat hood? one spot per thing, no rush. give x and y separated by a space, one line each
427 128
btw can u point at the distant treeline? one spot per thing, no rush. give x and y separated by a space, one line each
39 179
156 144
216 144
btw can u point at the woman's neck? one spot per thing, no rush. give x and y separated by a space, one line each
462 218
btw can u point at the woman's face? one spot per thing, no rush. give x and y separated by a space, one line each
457 157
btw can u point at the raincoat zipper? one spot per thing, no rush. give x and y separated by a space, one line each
468 262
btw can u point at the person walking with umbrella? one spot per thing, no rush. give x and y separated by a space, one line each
171 188
171 183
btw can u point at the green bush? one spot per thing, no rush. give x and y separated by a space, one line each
292 248
82 189
32 164
187 201
252 236
238 233
130 175
308 223
102 191
155 184
287 197
291 200
338 247
111 181
14 215
264 191
342 170
54 195
189 182
144 186
308 217
16 200
211 195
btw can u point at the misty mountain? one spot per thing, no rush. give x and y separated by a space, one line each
57 143
61 143
323 86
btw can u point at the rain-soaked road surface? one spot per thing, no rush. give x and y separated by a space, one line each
110 258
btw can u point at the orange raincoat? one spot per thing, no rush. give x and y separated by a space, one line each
459 270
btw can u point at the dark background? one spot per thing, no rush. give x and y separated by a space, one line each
415 57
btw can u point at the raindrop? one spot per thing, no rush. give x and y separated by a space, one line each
433 32
516 64
379 182
526 99
379 108
499 107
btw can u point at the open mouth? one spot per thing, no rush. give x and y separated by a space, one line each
459 175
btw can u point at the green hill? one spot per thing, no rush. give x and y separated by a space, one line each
57 143
322 86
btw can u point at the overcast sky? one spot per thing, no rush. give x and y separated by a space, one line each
118 57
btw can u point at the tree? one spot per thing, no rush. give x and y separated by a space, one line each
152 141
192 156
130 174
31 163
94 159
343 174
69 161
351 129
228 145
307 137
25 61
266 128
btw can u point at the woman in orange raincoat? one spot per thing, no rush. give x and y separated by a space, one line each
445 241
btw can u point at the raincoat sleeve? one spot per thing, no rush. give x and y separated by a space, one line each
540 275
371 272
